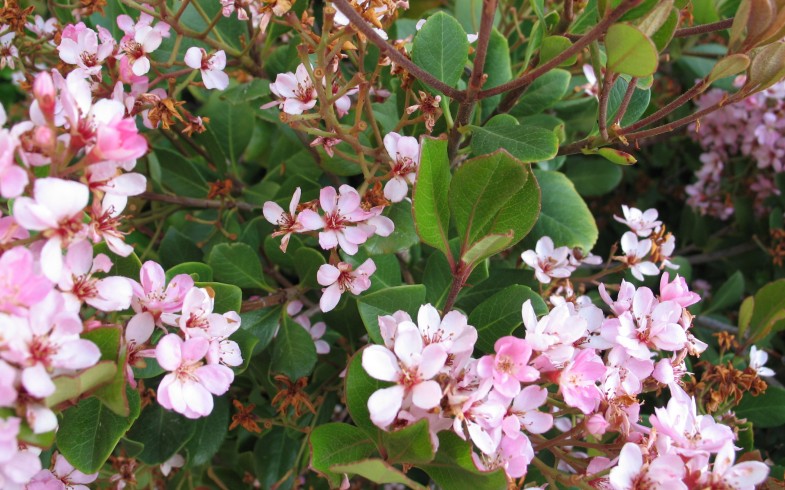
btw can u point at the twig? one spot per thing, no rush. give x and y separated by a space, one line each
668 108
712 324
595 33
704 28
359 24
192 202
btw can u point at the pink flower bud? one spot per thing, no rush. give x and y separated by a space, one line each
44 92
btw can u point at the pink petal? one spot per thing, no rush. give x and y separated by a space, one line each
385 404
380 363
427 395
168 352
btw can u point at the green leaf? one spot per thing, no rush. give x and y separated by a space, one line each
765 410
728 294
745 315
359 386
441 48
437 279
294 353
453 467
500 314
592 176
179 175
275 454
197 270
162 432
665 33
113 395
307 262
497 68
338 443
543 93
209 434
404 236
90 431
410 445
769 310
377 471
228 297
70 387
564 216
231 123
728 66
262 324
526 143
636 107
386 302
429 198
237 264
629 51
553 46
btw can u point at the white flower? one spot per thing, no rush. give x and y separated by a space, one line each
548 261
635 251
758 360
211 67
641 222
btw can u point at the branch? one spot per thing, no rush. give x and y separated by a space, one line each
359 24
595 33
192 202
704 28
668 108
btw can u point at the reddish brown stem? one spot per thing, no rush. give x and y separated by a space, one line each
668 108
192 202
704 28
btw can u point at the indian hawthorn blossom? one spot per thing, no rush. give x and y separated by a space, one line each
405 154
340 278
210 65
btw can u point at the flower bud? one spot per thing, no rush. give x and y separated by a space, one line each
44 92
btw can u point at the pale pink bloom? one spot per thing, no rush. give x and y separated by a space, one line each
405 154
79 46
341 278
63 475
578 381
145 40
229 6
590 87
316 331
742 476
509 367
635 252
21 285
343 103
105 220
643 223
295 91
689 433
211 66
483 416
127 25
452 332
677 291
13 178
389 325
327 143
57 208
224 351
188 386
112 293
199 320
176 461
41 27
340 211
758 360
47 343
153 295
556 333
287 222
411 367
378 224
548 262
116 137
17 466
8 52
596 425
523 413
137 334
664 473
625 374
513 455
8 392
624 300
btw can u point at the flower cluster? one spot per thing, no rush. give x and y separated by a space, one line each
753 129
594 364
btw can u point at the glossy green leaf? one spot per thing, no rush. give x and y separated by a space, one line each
527 144
113 394
237 264
553 46
197 270
543 93
592 176
441 48
769 312
765 410
338 443
429 201
378 471
209 433
564 216
728 294
163 433
307 262
359 387
630 51
294 353
410 445
453 467
262 324
89 431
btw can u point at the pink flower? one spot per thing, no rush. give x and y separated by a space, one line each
758 360
296 91
343 278
145 40
509 367
211 67
742 476
63 475
578 381
677 291
111 293
137 334
79 46
635 251
411 367
643 223
176 461
287 222
153 295
317 332
116 137
57 207
556 333
21 286
513 455
340 211
663 473
452 332
523 413
405 154
199 320
548 261
17 466
188 386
